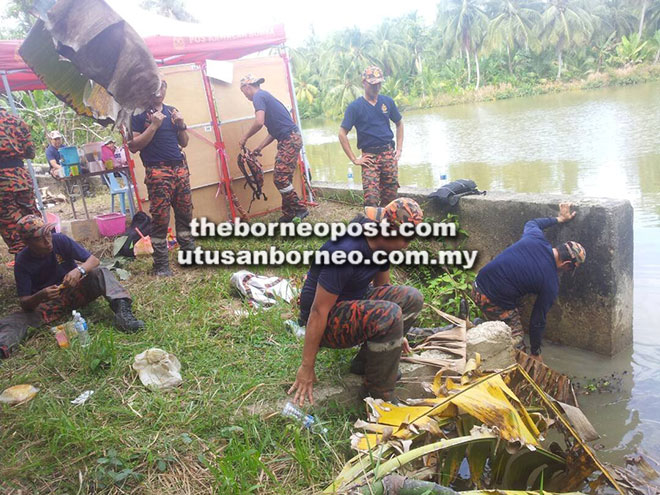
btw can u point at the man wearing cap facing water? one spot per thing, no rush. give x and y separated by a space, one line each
530 266
54 275
341 308
370 115
269 111
159 133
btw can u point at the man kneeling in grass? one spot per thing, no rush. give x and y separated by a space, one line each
342 309
50 283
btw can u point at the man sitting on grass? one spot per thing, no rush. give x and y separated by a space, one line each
342 309
50 283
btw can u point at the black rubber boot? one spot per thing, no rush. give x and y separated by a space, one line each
125 320
161 258
186 241
358 363
380 371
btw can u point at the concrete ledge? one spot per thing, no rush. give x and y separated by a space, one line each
594 308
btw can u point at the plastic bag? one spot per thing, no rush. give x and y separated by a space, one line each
143 246
158 369
261 290
18 394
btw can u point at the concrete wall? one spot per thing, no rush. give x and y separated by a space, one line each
594 308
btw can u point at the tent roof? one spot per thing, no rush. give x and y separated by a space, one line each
167 50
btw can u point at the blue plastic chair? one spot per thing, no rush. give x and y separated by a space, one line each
115 190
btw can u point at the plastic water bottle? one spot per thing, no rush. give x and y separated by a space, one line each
307 420
80 325
443 179
351 182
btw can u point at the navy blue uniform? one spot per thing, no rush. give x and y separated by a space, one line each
277 120
164 146
526 267
372 122
33 274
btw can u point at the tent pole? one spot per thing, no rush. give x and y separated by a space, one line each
296 115
35 184
219 143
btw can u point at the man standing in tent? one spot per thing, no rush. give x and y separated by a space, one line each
370 115
269 111
159 133
16 188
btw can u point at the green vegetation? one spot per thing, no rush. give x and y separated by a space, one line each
483 50
219 432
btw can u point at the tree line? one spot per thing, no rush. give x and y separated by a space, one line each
473 43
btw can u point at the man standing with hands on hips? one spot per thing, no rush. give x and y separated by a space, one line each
159 134
370 115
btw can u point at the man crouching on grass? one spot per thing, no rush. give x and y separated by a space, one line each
50 283
341 309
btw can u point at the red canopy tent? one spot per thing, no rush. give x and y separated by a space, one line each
167 50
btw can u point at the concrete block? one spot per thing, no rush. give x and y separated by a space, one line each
81 230
594 307
492 340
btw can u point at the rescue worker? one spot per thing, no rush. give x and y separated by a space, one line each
16 187
53 155
371 115
50 283
341 308
530 266
269 111
159 133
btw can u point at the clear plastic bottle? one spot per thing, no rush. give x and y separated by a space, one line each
351 181
80 325
306 420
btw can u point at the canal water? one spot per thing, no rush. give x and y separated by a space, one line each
603 143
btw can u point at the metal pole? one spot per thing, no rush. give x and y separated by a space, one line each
294 102
12 105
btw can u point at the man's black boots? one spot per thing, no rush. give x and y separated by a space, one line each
125 320
161 258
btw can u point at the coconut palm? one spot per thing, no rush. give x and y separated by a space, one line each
511 26
389 51
464 24
564 23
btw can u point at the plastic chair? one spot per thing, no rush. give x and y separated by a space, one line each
116 189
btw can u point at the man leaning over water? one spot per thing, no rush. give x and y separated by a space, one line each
530 266
370 115
341 308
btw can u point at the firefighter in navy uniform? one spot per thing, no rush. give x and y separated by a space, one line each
159 134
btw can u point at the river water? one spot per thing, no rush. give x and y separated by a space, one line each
603 143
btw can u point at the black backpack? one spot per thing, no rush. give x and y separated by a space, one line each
449 194
140 221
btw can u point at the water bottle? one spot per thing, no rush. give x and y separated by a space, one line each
80 325
307 420
351 182
443 179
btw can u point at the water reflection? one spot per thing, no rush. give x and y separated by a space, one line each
597 143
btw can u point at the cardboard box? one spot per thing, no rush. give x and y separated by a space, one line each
81 230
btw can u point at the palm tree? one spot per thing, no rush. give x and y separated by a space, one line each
389 51
511 25
564 22
464 24
617 16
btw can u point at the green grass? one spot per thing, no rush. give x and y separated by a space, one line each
219 432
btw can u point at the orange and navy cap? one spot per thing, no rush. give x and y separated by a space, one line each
250 79
31 226
576 253
373 75
397 212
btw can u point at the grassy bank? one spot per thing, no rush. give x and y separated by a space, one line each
611 77
219 432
